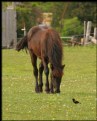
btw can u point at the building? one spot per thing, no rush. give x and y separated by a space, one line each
9 28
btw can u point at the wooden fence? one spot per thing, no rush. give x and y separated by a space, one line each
83 39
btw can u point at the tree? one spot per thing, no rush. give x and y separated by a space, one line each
72 27
85 11
30 12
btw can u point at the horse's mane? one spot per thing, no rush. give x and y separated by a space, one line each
55 50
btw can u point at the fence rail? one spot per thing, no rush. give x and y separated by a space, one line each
66 37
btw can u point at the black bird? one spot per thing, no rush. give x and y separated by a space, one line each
75 101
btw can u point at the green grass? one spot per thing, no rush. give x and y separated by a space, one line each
20 102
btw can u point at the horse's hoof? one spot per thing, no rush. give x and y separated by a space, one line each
40 89
57 91
47 91
37 90
51 91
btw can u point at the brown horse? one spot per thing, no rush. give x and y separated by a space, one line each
45 43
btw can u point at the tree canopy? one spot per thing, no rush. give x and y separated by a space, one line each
64 13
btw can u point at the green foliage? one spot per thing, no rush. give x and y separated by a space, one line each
57 10
72 27
26 18
6 4
28 12
85 11
20 102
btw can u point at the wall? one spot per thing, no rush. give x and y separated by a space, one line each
9 28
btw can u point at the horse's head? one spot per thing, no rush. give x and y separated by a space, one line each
56 76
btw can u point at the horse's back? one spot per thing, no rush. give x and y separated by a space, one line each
41 40
36 37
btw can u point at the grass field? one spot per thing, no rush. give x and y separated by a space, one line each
20 102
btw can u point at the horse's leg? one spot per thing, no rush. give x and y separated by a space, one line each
51 87
51 83
35 70
40 76
46 71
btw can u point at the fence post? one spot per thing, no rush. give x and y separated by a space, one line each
85 26
95 33
89 24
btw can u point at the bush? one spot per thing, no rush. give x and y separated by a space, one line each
72 26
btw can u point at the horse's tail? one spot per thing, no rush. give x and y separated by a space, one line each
22 44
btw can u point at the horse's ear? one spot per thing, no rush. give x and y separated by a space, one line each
63 66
